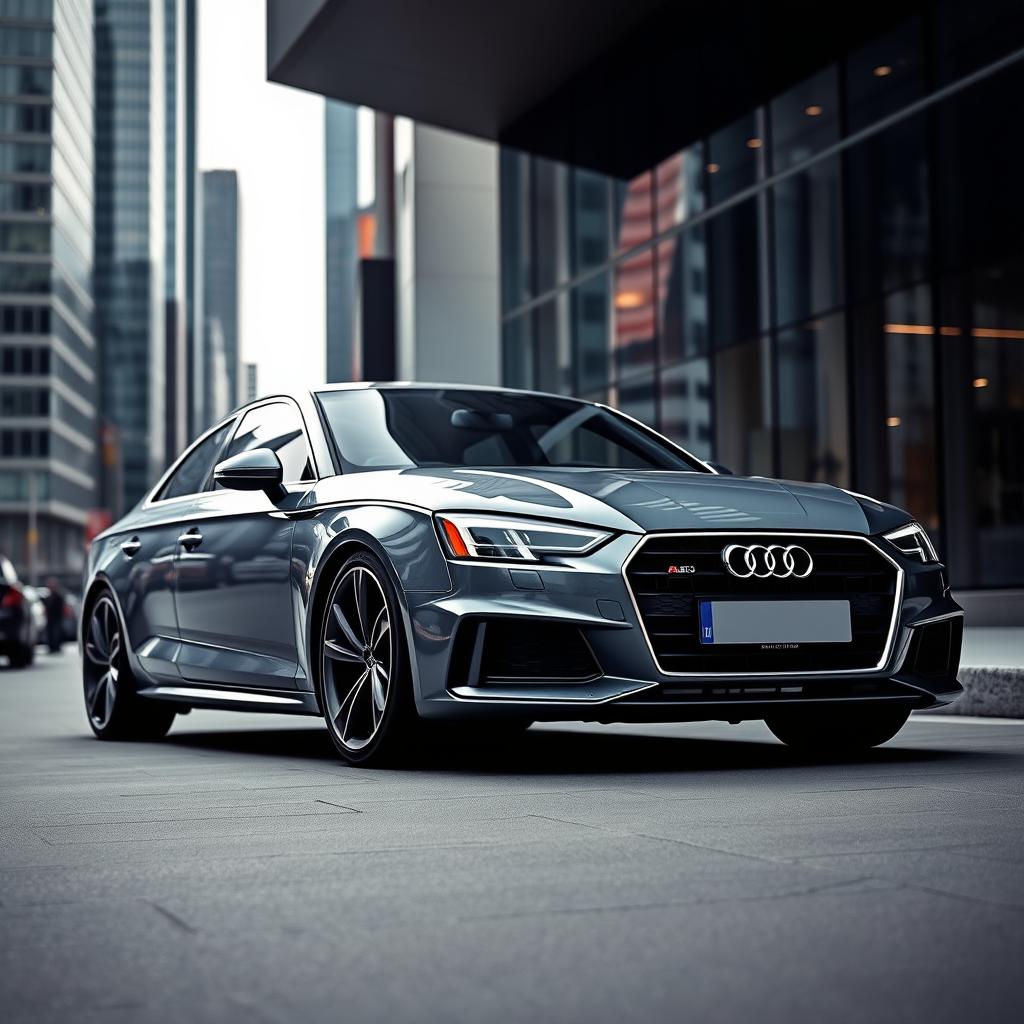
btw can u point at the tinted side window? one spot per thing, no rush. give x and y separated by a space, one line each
190 476
279 428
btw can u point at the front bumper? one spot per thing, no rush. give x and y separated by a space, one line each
591 595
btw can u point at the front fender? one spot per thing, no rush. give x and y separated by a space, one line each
403 539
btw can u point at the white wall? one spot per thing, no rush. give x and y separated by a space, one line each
446 199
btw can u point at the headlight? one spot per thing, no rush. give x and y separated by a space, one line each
912 540
514 540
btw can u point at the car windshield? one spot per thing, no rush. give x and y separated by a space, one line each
401 428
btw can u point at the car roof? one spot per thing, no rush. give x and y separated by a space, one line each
386 385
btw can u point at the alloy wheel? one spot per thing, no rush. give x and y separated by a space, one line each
358 663
102 662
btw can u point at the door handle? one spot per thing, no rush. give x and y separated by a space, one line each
130 548
192 539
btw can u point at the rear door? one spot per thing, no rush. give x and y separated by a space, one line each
235 605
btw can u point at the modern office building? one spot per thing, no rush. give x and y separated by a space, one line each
130 243
48 352
221 365
789 236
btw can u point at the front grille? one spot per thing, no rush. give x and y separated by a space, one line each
845 568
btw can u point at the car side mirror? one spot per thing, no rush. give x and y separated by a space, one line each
258 469
724 470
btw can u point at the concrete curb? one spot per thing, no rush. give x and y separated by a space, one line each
988 693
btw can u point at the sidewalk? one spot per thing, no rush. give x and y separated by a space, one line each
992 673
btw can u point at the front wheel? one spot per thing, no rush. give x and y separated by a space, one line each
837 730
115 710
365 678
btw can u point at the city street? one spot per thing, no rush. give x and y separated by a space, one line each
238 871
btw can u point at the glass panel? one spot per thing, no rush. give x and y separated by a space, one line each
636 398
517 352
735 157
813 414
888 195
551 201
805 120
970 35
592 327
191 475
743 434
680 187
683 294
554 349
808 242
686 405
884 76
634 211
736 307
591 223
515 227
633 345
997 419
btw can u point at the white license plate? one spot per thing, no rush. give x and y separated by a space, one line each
775 622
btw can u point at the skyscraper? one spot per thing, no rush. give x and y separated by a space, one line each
48 400
340 202
130 249
220 293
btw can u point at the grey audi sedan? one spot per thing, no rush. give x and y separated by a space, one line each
395 557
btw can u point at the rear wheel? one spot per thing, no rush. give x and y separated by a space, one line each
115 710
365 678
837 729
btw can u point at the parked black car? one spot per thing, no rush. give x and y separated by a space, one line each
18 628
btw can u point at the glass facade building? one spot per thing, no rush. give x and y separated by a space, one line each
130 251
828 286
48 348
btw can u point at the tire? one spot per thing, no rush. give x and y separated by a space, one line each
837 730
112 705
364 679
22 656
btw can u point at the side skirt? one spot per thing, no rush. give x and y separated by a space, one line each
291 702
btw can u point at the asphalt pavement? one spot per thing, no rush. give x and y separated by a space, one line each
238 872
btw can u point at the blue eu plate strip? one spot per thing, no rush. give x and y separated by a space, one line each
707 624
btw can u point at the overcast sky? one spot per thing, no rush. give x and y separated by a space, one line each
273 137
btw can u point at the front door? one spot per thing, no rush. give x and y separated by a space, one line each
236 616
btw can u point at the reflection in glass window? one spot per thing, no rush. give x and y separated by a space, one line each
888 187
633 345
517 352
591 218
191 476
633 209
515 227
808 242
737 307
679 182
735 157
636 398
686 405
683 294
884 76
592 327
551 201
554 347
805 120
813 414
971 35
743 435
996 388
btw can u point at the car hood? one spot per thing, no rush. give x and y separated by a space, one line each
634 500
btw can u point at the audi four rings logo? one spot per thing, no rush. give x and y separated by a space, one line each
762 561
